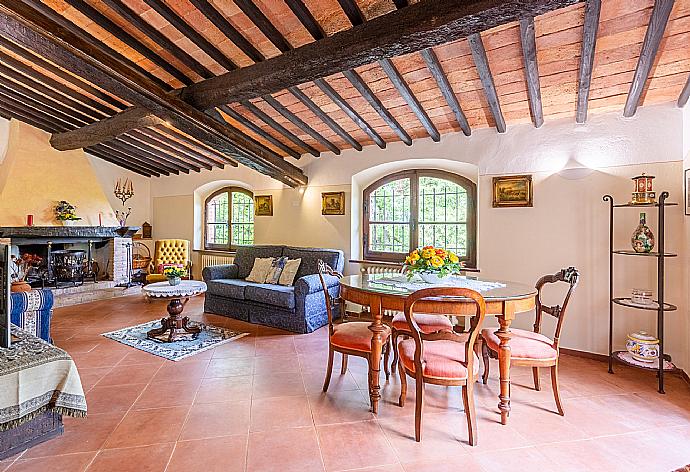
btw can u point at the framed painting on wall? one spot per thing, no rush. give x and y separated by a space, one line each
512 191
333 203
263 205
687 192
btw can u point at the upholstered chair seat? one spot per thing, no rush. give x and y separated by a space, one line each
354 335
442 360
171 252
427 323
523 344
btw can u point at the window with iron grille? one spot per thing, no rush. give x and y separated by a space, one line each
419 208
229 219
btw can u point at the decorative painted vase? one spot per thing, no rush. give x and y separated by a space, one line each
174 281
431 277
642 239
20 286
643 346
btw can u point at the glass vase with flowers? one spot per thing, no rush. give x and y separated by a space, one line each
432 264
174 274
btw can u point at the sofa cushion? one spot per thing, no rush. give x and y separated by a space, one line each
276 295
310 259
228 288
245 255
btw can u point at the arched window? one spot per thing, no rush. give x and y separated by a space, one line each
229 219
418 208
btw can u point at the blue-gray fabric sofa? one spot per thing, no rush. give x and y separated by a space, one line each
300 308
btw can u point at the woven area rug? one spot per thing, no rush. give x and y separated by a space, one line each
185 345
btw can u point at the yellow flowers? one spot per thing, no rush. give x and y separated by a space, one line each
427 253
453 258
430 259
436 262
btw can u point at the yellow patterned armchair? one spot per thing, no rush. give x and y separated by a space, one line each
169 251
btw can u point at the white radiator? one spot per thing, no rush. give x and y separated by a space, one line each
208 259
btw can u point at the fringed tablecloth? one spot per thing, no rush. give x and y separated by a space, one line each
36 376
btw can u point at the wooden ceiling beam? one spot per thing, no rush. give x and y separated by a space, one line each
219 21
176 135
160 7
154 136
305 17
349 111
406 93
180 155
64 75
295 120
280 128
121 163
22 110
589 42
37 104
482 64
108 25
264 24
21 72
684 94
529 54
376 104
157 154
127 146
157 37
113 147
21 23
650 46
436 69
419 26
314 108
106 129
258 131
351 9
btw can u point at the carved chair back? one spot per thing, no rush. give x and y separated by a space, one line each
331 302
469 337
570 276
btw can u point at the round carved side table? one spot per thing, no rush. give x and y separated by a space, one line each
176 293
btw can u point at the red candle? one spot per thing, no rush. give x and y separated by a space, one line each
100 222
29 220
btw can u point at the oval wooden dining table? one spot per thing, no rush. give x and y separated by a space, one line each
502 302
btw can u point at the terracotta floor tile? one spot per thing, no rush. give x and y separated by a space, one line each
137 356
210 420
277 385
518 460
69 462
229 367
225 454
90 377
340 407
243 347
147 427
112 398
277 413
136 459
129 374
269 365
173 372
460 463
590 455
366 446
292 450
81 435
313 381
222 389
161 393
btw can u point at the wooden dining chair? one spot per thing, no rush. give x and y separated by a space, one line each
347 338
441 358
531 348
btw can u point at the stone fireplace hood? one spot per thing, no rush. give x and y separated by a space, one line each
56 233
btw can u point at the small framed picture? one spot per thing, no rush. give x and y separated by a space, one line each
687 192
512 191
333 203
263 205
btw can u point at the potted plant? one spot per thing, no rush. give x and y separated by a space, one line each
174 274
21 267
432 264
66 213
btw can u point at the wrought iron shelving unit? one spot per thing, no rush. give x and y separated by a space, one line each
659 305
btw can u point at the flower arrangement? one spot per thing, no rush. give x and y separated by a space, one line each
432 260
65 211
22 265
122 216
173 272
